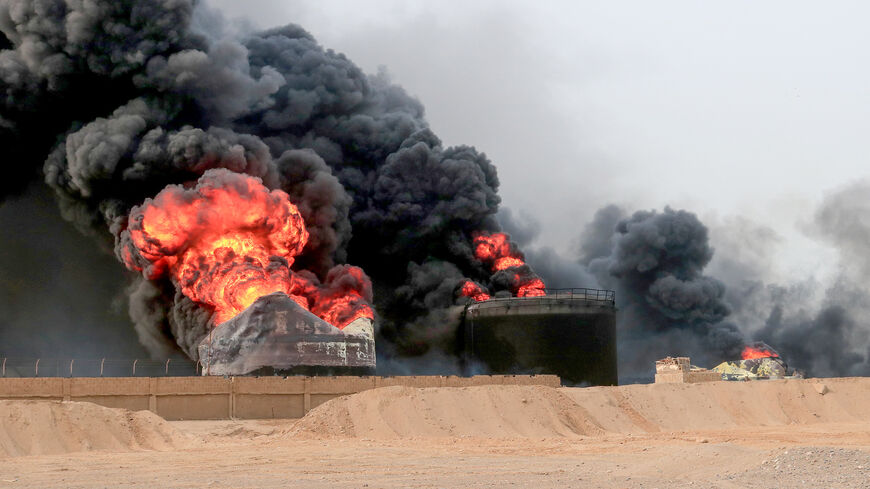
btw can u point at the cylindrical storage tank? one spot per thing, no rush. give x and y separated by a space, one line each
570 333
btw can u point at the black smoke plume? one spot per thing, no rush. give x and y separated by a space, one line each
671 304
111 101
830 336
655 261
108 102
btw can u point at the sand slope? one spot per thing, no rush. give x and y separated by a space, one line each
536 411
485 411
51 427
724 405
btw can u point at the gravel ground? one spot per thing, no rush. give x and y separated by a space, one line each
802 467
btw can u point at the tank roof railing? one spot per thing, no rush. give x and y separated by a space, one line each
596 296
584 293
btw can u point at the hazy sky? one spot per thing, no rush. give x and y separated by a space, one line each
753 109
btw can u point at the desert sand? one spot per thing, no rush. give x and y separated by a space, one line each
786 433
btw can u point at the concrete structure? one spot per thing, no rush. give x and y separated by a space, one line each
176 398
679 370
570 333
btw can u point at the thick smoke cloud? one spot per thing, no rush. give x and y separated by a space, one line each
660 264
821 343
67 62
656 264
113 101
833 337
671 304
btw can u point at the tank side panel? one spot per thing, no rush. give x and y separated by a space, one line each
576 343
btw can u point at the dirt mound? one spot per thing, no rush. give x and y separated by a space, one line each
52 427
725 405
502 411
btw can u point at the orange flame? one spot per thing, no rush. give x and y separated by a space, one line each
750 353
475 291
496 250
490 248
506 262
533 288
229 241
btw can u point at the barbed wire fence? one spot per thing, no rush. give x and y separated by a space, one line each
97 367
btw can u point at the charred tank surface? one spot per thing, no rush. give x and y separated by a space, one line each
569 332
277 336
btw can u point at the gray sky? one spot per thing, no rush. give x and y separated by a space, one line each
753 109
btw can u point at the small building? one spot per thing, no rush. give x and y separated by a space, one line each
678 370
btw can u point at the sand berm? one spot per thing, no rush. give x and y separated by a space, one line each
544 412
54 427
497 411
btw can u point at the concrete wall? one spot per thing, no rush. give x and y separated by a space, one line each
687 377
176 398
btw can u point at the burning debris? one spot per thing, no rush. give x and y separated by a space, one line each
759 361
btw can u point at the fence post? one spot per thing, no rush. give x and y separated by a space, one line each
167 367
71 361
134 366
37 367
103 361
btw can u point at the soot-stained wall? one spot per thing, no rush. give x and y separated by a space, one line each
571 337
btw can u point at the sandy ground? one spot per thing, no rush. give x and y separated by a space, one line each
725 435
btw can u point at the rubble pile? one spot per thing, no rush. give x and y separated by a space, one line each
679 370
756 369
759 361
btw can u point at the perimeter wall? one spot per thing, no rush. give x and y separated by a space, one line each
176 398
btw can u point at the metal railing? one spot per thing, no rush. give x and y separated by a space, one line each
97 367
584 293
591 296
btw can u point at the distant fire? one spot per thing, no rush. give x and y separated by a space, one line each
496 250
229 241
758 351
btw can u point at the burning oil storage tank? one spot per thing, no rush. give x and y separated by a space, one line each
568 332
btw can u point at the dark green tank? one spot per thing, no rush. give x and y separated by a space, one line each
570 333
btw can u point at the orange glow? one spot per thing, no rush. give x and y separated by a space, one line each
532 288
750 353
495 249
474 291
506 262
489 248
228 242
